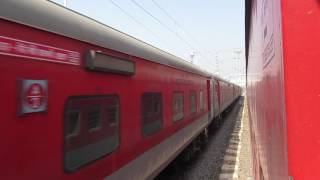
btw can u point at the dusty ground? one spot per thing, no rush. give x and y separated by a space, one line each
245 163
226 156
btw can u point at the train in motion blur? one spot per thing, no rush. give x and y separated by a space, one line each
80 100
283 87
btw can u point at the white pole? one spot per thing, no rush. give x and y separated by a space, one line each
65 3
191 57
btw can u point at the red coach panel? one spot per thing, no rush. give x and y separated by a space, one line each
301 27
283 87
266 92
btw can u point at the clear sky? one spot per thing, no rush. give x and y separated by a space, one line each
212 30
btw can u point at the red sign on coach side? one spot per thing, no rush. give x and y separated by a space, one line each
19 48
33 96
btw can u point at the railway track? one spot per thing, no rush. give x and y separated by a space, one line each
220 159
230 167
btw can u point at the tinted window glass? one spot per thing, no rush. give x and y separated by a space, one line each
73 124
177 106
94 118
193 102
151 112
91 129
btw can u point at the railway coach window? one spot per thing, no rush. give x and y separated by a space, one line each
72 128
90 129
151 113
94 118
177 103
193 102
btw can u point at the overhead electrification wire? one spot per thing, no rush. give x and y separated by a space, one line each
135 20
163 24
178 24
139 23
174 21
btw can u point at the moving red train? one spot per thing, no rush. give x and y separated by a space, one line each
283 87
81 100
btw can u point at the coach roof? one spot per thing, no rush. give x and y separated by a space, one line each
54 18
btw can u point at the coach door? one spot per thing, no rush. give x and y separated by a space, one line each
209 97
213 99
218 97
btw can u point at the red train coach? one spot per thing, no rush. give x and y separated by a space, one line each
224 93
81 100
283 87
